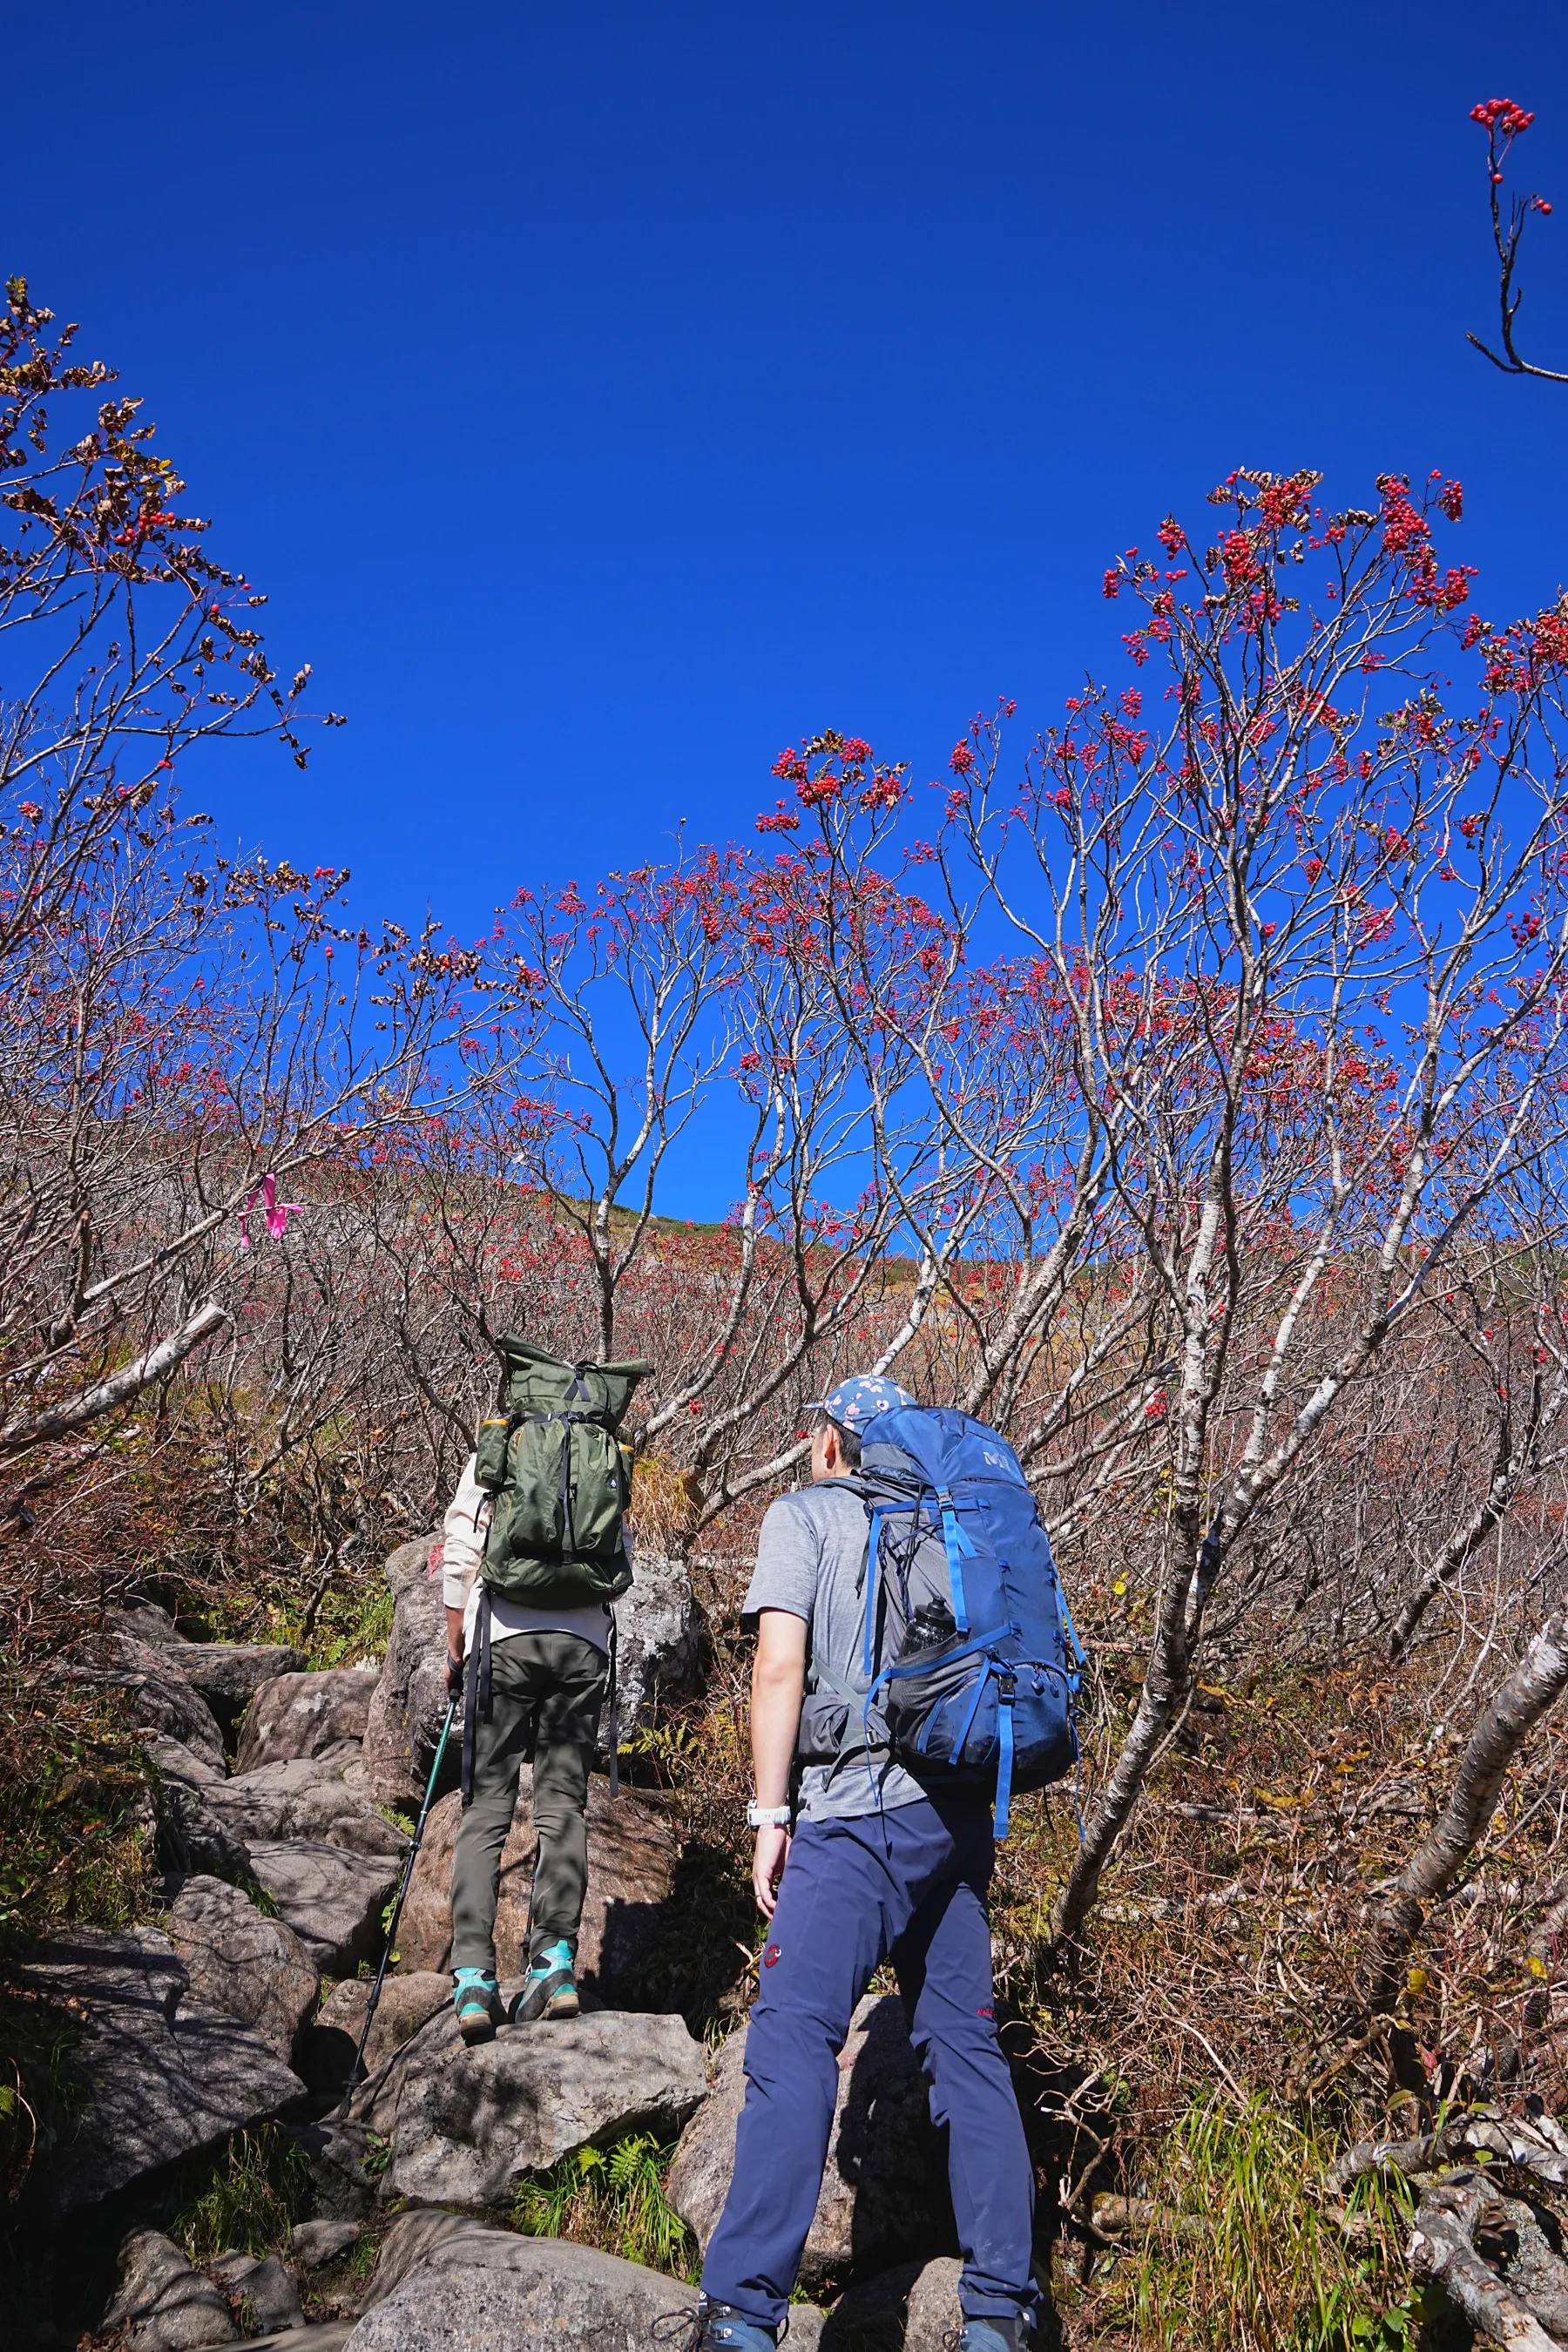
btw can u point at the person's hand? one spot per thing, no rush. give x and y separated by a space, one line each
768 1859
454 1676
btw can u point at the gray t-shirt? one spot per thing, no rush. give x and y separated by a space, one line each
811 1562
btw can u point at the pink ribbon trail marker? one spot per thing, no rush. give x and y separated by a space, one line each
277 1212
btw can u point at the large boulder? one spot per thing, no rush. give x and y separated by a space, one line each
308 1798
662 1649
406 2003
156 2076
229 1673
161 2303
885 2197
404 1723
306 1714
242 1966
911 2309
661 1654
262 2287
466 2124
333 1899
158 1696
632 1853
191 1837
446 2284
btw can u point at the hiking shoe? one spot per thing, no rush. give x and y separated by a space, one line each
712 2327
476 1997
990 2335
550 1989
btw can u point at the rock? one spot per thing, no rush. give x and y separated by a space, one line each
336 2152
175 1761
146 1622
660 1642
154 2079
410 1698
264 2286
161 2303
328 2335
316 2244
191 1837
308 1799
911 2309
158 1697
333 1900
296 1715
632 1852
445 2285
242 1966
229 1673
406 2003
466 2123
884 2198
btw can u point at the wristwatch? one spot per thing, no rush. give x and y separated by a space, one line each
766 1817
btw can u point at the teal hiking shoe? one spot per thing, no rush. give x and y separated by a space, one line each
550 1989
476 1997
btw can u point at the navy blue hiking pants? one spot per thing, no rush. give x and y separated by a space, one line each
908 1884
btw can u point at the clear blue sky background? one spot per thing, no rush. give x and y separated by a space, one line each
606 395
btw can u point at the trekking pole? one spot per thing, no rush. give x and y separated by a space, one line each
397 1909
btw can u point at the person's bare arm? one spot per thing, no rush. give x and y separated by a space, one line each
778 1685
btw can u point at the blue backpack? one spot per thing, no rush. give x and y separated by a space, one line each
969 1651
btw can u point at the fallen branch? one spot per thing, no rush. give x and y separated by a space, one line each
64 1421
1443 2249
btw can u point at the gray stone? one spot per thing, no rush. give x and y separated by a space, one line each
335 2151
175 1761
155 2077
632 1853
158 1696
146 1622
229 1673
191 1838
326 2335
306 1798
306 1714
884 2197
266 2287
660 1644
445 2285
406 2003
468 2123
333 1900
316 2244
161 2303
410 1700
911 2309
243 1966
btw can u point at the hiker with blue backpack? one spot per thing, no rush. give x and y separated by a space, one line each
913 1655
535 1553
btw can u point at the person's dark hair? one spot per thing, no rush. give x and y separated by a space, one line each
849 1443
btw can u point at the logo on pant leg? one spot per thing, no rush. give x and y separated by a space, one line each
771 1956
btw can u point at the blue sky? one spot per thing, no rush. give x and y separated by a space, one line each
605 396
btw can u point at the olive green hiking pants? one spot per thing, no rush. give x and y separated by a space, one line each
545 1692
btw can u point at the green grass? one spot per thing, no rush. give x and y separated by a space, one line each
247 2198
1277 2269
613 2198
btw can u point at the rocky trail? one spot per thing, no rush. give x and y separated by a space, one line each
283 1802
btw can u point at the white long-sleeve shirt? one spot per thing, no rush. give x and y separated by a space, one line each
463 1534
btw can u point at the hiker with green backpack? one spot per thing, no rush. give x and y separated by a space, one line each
534 1554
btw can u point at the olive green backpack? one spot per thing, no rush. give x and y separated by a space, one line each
549 1455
